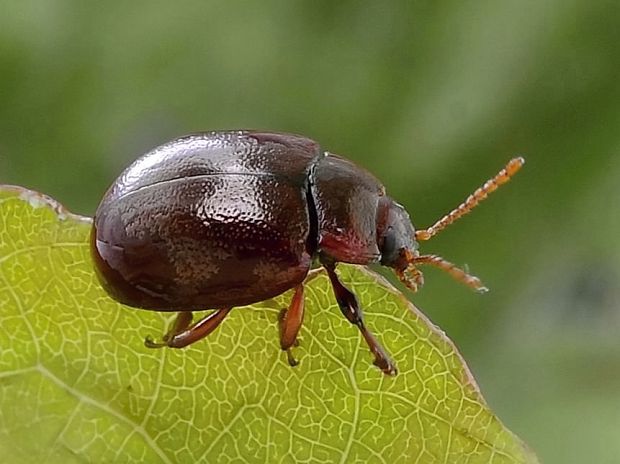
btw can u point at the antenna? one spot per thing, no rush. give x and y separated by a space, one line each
472 200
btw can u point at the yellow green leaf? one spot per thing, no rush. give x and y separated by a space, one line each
77 383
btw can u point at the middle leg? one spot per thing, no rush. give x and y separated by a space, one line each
290 322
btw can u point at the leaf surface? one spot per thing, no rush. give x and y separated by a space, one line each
78 385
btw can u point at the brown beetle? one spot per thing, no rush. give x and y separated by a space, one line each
224 219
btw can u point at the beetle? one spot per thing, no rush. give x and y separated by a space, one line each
223 219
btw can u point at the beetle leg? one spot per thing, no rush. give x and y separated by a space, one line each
290 322
182 322
182 334
347 301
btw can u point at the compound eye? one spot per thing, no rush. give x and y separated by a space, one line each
389 251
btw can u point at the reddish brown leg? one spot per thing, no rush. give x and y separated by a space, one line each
183 334
182 322
290 323
349 306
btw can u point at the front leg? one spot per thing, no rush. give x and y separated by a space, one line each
347 301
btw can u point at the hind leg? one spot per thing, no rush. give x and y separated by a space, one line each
183 334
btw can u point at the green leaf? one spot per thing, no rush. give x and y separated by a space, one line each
78 385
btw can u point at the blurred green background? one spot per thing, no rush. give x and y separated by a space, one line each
433 97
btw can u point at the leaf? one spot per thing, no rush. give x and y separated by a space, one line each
78 385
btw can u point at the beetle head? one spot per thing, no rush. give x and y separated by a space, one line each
398 241
395 233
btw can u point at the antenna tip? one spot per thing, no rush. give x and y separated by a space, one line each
514 165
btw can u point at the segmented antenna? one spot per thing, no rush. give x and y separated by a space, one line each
472 200
457 273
